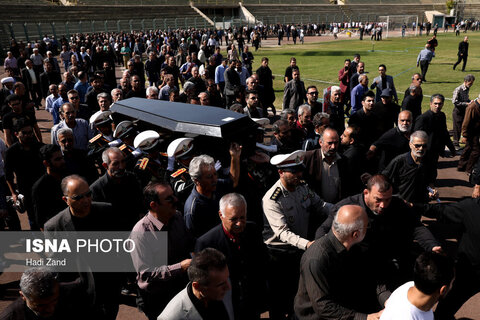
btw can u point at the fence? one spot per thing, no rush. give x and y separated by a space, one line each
32 31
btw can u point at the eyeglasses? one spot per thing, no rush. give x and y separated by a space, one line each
418 146
314 93
77 197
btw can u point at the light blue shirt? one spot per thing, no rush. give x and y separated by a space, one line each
56 109
82 89
81 132
425 54
219 74
357 97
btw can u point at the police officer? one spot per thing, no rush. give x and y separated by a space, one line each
101 122
288 206
180 152
150 167
124 135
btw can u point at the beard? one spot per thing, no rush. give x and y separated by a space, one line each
404 128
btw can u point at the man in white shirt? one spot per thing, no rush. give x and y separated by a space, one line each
414 300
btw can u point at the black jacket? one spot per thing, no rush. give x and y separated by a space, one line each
246 261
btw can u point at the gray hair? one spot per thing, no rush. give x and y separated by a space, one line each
231 200
115 90
334 88
38 283
67 179
361 77
197 163
64 131
286 112
103 95
303 108
419 134
469 77
150 89
343 230
107 152
317 119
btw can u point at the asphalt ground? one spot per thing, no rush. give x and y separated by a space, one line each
452 185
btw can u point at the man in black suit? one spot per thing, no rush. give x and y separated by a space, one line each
232 80
31 79
84 215
246 254
50 76
120 188
434 123
46 192
462 53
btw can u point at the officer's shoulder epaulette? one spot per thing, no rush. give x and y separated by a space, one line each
178 172
98 136
276 194
142 163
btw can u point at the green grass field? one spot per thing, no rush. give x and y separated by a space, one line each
320 63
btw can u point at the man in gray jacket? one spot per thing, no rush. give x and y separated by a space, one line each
383 81
207 295
294 93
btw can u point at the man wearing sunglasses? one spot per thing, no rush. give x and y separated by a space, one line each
288 206
84 215
410 175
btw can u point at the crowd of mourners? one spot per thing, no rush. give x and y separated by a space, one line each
321 220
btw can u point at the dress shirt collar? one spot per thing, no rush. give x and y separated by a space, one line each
157 223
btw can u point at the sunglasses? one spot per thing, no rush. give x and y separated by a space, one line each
417 146
77 197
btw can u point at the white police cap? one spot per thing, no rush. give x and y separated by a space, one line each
180 147
288 160
7 80
121 128
146 140
101 117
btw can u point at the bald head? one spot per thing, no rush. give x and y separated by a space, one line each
350 224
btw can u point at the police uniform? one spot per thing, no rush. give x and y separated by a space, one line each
288 213
286 232
122 132
180 180
99 142
147 168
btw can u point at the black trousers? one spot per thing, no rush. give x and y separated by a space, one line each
470 155
460 58
457 116
424 67
283 280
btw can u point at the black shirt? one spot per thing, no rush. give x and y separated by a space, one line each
369 126
47 198
391 144
410 180
330 285
26 164
288 73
